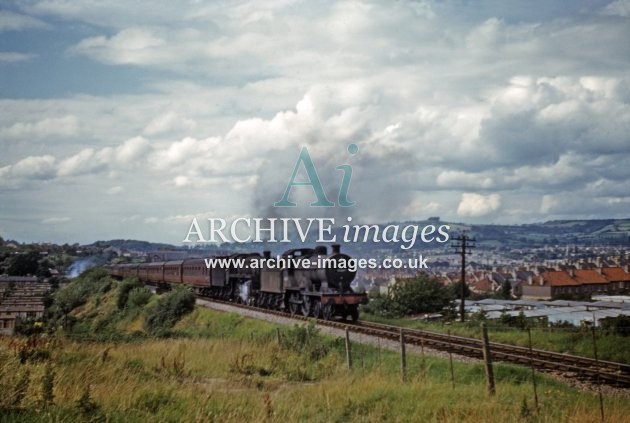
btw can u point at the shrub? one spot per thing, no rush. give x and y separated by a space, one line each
161 317
138 297
619 325
123 291
306 340
519 321
421 294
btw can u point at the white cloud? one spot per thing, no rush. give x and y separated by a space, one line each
168 122
29 168
15 57
476 205
456 111
10 21
618 8
130 46
64 126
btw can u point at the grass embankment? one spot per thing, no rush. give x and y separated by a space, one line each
224 367
569 340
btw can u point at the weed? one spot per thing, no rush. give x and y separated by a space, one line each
20 388
47 395
152 401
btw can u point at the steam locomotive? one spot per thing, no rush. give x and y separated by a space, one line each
305 280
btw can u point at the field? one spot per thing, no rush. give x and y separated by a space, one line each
214 366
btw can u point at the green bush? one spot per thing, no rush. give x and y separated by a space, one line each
161 317
75 294
306 340
123 291
138 297
421 294
619 325
519 321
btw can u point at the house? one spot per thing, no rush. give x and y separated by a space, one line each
572 282
21 297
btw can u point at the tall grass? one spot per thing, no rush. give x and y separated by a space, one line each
228 368
232 369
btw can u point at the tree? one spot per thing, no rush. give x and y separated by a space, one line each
421 294
24 264
456 289
506 290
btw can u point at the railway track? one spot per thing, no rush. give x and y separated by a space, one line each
583 368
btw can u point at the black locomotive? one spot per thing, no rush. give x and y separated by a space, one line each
308 281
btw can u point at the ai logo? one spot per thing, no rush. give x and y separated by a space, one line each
313 181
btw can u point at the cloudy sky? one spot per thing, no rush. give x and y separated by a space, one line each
125 119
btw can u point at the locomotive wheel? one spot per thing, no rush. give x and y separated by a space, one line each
317 308
294 304
306 307
354 314
327 312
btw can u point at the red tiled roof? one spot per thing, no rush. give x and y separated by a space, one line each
615 274
556 278
482 285
589 277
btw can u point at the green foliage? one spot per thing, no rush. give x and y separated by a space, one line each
28 326
456 290
89 284
161 317
506 290
619 325
421 294
48 380
519 321
306 340
138 297
24 264
123 291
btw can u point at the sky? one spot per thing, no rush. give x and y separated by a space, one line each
124 119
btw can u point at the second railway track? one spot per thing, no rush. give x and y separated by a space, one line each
584 368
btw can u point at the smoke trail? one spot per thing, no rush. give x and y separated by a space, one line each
79 266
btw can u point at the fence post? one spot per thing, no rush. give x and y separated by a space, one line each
403 357
348 349
424 364
450 358
531 364
599 382
487 359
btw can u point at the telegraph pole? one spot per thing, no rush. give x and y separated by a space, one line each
462 246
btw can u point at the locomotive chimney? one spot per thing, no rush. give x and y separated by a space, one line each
321 250
336 248
267 254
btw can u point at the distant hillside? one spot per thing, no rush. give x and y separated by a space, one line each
134 245
556 232
578 232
